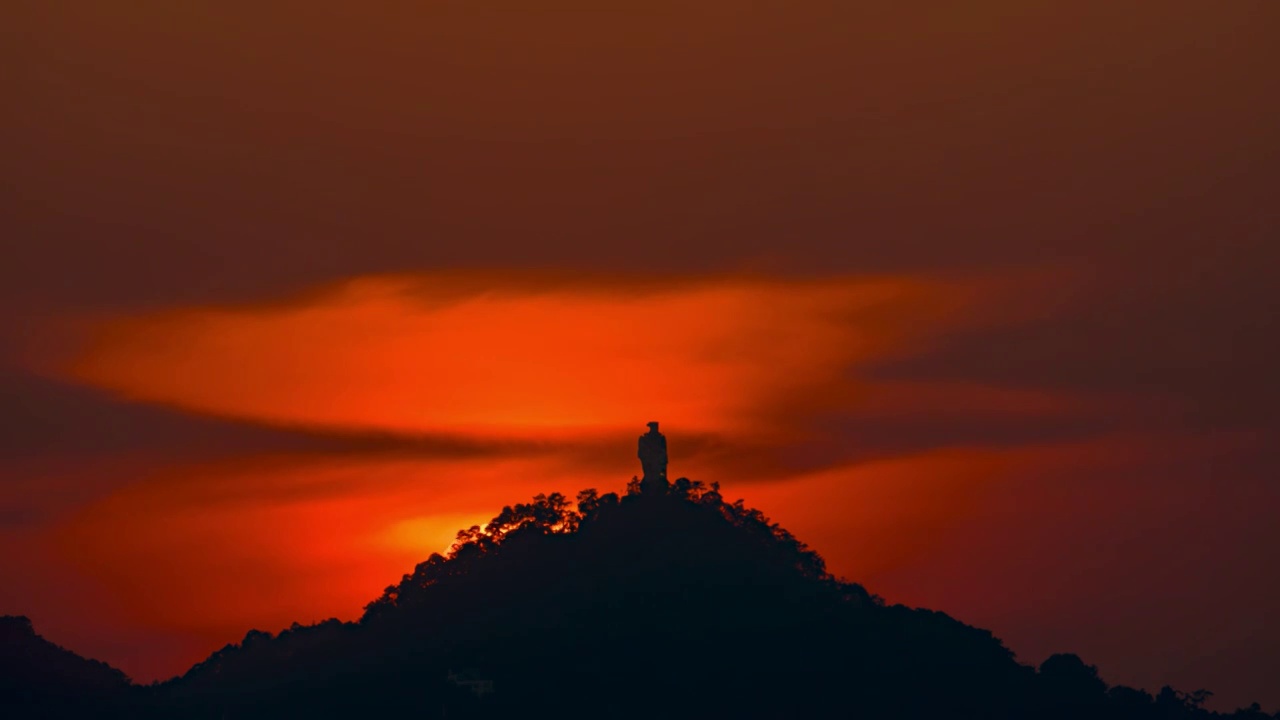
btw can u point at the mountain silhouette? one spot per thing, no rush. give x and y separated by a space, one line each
40 679
666 602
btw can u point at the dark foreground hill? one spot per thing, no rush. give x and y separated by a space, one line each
40 679
668 603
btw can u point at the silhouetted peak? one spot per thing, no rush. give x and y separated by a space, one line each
14 626
664 601
39 678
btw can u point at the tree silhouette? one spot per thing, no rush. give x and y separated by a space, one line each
672 603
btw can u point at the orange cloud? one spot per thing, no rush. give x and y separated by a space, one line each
473 356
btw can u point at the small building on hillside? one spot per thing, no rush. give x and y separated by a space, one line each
471 680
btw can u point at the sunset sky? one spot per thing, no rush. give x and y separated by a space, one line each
978 299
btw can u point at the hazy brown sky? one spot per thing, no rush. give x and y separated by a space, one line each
976 298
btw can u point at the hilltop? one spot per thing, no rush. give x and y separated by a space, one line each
665 602
39 678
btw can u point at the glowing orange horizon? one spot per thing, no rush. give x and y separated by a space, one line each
263 540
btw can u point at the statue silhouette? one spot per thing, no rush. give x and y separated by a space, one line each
653 459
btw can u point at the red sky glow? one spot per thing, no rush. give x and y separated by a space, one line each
977 300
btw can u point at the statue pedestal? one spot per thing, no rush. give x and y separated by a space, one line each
654 486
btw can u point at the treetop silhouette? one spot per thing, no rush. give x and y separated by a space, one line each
666 600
